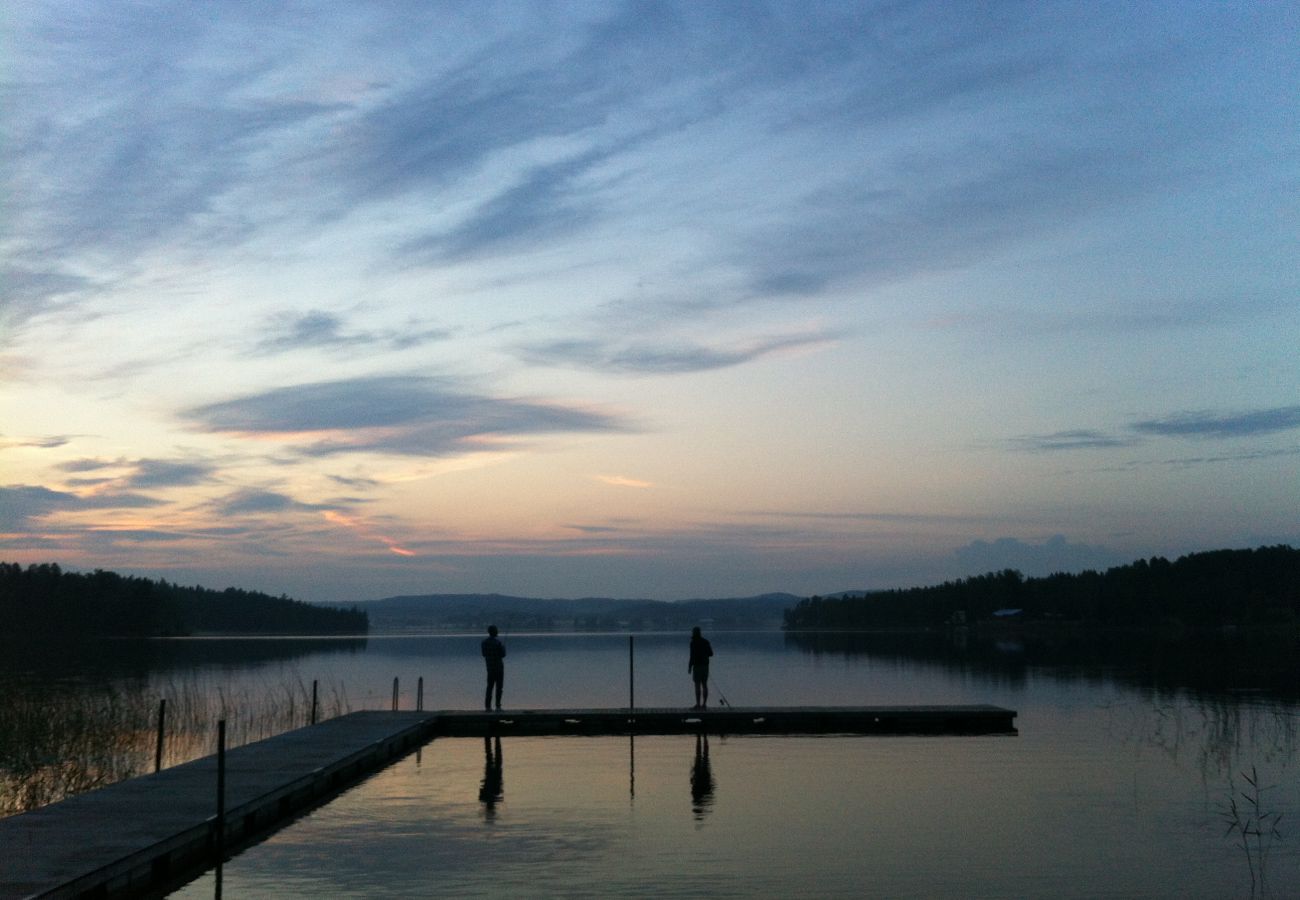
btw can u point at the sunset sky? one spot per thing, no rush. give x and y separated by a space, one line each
345 300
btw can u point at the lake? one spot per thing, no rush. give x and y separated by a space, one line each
1120 783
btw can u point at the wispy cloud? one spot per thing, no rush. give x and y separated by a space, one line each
21 505
254 502
1074 439
412 415
1202 424
50 442
641 358
320 329
27 292
1219 425
624 481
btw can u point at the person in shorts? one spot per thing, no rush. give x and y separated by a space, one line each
698 666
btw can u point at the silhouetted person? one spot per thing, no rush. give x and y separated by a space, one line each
701 650
701 778
494 654
492 789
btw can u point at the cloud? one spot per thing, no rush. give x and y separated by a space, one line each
250 501
51 442
1076 439
153 473
644 358
623 481
27 292
22 504
143 473
317 329
1211 425
1186 424
1055 554
411 415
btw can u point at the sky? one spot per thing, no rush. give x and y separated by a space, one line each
651 299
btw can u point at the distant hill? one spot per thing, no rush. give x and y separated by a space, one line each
476 611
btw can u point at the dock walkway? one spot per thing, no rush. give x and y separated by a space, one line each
130 838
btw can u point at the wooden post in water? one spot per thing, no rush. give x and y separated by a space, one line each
419 694
631 676
394 695
221 800
162 718
313 701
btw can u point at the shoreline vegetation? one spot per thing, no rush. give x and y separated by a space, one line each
43 599
68 739
1248 589
1257 588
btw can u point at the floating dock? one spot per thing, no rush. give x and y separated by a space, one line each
895 720
139 836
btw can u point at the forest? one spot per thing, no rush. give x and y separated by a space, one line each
1259 587
43 599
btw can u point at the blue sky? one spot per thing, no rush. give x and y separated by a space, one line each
649 299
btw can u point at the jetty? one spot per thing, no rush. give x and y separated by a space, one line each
140 836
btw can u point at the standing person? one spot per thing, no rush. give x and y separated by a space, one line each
494 654
701 650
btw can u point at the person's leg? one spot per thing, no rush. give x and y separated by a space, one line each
487 696
704 689
501 680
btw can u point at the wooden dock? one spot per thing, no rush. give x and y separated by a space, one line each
138 836
895 720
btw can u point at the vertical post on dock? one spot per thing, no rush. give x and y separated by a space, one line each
221 800
419 694
394 695
631 676
313 701
162 718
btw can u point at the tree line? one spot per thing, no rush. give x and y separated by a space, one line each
44 599
1209 589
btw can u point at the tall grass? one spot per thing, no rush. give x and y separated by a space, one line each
58 743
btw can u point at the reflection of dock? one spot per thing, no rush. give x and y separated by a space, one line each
140 835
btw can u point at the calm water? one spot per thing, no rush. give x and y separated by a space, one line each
1118 783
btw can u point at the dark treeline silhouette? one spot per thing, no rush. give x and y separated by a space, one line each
1215 588
45 599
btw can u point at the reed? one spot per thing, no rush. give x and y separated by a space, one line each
62 741
1256 828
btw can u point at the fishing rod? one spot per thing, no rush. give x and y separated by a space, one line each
722 698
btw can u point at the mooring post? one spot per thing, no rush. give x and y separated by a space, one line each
419 694
158 750
221 798
631 675
313 701
394 695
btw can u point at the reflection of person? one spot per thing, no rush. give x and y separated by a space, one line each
701 650
492 789
701 778
494 654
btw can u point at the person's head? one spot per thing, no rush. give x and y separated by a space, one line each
492 630
695 632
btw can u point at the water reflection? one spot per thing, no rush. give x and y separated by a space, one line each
1221 664
492 789
702 783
